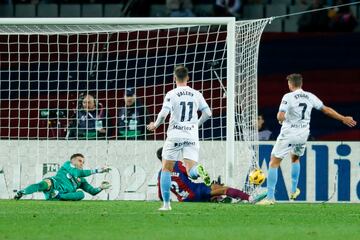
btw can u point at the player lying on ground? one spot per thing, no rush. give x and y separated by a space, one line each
188 191
66 183
294 116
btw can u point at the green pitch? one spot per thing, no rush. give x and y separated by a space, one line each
187 221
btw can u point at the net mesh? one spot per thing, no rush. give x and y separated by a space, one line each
248 35
93 88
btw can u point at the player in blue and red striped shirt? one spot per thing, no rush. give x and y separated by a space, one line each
188 191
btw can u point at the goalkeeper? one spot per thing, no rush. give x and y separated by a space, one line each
66 183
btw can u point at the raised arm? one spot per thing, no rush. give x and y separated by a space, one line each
87 187
347 120
83 172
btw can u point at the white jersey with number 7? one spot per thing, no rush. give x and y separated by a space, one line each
183 104
297 106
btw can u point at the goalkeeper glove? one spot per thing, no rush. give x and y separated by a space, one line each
102 170
105 185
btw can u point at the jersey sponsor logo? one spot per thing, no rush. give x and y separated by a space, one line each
301 95
185 143
297 145
299 125
185 93
183 128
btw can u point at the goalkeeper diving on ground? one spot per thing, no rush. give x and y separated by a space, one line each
68 183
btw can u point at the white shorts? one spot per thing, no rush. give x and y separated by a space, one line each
178 149
295 145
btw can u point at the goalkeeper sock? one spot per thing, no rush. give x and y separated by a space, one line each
73 196
271 182
37 187
295 173
236 193
194 174
165 183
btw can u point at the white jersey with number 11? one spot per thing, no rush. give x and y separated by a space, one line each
183 104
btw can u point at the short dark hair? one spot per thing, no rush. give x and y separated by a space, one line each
181 73
76 155
159 153
130 92
296 79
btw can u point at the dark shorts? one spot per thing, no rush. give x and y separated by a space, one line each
202 193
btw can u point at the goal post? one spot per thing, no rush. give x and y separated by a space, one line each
49 65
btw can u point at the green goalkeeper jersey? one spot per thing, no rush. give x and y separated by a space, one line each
69 179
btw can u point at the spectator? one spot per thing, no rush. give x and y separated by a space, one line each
132 118
315 21
342 19
90 120
227 8
180 8
264 133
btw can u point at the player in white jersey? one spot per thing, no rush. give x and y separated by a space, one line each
294 115
182 103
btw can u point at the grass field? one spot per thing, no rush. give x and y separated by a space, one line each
27 219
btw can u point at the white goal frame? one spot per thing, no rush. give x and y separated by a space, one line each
231 52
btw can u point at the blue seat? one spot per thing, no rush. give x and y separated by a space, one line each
70 10
158 10
113 10
290 25
275 26
92 10
297 8
273 10
25 10
6 11
253 11
204 10
47 10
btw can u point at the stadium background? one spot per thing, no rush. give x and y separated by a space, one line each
329 62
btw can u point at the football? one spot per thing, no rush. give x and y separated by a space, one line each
257 177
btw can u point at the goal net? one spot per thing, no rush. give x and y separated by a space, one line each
92 85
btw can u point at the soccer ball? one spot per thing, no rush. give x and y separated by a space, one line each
257 177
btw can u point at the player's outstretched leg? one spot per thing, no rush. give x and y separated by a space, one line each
271 181
37 187
295 173
237 194
73 196
199 171
258 196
